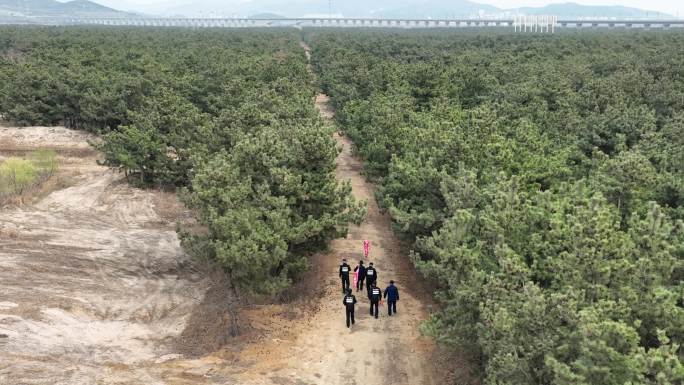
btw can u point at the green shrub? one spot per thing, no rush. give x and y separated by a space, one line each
16 175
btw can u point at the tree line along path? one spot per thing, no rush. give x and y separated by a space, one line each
388 350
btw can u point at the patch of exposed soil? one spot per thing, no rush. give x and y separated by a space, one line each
94 286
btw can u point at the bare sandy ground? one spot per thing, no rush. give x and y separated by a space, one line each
94 285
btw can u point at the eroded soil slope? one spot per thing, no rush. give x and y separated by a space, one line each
94 286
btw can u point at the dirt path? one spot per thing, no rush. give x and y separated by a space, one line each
319 349
388 350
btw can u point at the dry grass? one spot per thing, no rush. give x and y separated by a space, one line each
9 149
36 192
169 208
49 176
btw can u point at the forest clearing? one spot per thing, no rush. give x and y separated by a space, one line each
175 205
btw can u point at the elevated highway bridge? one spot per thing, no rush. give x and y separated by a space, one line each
348 22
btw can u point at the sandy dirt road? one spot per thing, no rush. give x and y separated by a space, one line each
319 349
388 350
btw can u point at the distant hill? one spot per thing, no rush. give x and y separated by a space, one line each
387 8
571 10
266 15
346 8
23 9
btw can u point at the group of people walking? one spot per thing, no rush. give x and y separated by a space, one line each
369 275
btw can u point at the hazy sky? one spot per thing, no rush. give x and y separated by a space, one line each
674 7
668 6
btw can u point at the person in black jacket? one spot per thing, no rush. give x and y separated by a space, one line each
344 275
349 301
375 297
362 275
371 277
392 295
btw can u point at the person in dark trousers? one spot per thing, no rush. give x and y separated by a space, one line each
362 275
344 274
371 277
349 301
375 297
392 295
